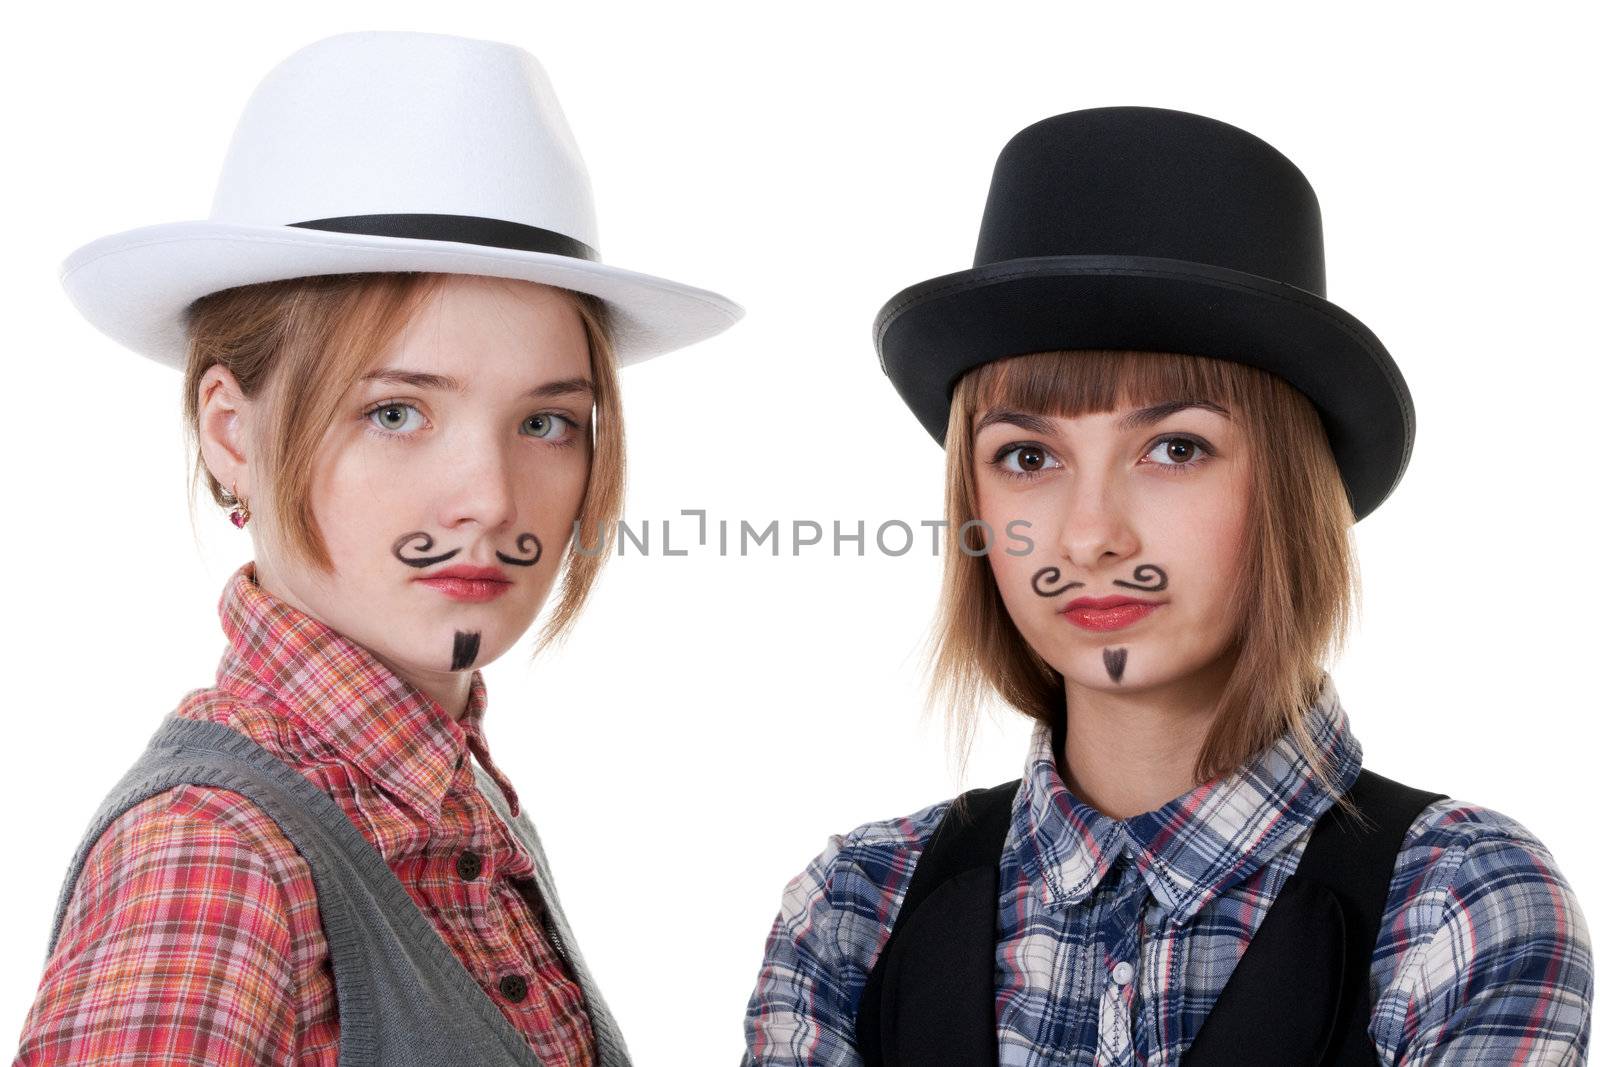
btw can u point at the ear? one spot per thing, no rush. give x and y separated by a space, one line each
224 429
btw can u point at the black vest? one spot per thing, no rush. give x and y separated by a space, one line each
930 997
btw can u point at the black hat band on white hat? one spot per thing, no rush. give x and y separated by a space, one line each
470 229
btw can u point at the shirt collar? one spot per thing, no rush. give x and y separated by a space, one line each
392 732
1198 845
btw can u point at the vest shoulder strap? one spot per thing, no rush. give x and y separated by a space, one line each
1317 938
941 964
1357 863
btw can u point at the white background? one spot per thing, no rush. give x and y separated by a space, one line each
714 718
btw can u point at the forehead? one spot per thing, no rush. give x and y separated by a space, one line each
481 327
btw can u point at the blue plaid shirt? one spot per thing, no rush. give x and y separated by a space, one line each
1116 936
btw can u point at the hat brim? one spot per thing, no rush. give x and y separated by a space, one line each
136 286
931 333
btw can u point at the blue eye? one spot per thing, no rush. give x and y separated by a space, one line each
547 424
386 407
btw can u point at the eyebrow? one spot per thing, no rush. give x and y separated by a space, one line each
424 380
1131 421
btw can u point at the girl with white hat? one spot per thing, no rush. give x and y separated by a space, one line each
399 348
1159 433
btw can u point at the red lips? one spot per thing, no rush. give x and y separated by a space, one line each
1107 613
481 574
1099 603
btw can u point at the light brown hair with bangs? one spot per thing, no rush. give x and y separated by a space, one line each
304 343
1299 584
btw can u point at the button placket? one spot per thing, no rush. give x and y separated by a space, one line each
1123 923
1120 927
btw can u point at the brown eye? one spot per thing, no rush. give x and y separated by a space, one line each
1023 460
1179 454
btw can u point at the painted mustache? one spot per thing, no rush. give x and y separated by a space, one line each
1144 574
1147 578
464 649
424 542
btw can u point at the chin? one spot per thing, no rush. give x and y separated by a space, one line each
1112 666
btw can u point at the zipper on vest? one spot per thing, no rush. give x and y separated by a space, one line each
561 946
529 888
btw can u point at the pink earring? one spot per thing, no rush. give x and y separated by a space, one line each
241 511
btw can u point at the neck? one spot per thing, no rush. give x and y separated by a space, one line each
450 689
1130 753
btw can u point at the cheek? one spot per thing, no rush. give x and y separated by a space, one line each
565 479
1013 577
351 499
1016 522
1228 520
553 494
1205 546
1031 512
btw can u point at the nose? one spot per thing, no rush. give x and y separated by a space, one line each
484 487
1093 519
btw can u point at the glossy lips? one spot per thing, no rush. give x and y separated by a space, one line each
1107 613
470 584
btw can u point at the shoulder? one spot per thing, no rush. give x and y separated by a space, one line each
828 933
204 833
191 907
848 894
204 815
267 726
190 842
1457 853
1482 940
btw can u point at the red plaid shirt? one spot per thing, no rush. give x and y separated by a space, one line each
193 934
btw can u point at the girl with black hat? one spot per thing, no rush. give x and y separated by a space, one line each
400 353
1159 433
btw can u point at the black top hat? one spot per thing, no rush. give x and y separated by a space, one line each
1159 230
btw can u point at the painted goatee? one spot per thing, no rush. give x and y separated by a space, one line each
466 650
1116 659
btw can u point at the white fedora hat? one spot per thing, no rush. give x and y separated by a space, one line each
388 151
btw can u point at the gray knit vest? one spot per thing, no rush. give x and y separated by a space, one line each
404 997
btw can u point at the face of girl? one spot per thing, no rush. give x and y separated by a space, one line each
1148 505
418 476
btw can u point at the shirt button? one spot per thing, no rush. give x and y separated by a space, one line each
514 987
469 865
1122 973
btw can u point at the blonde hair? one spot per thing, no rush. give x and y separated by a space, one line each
1300 582
307 341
